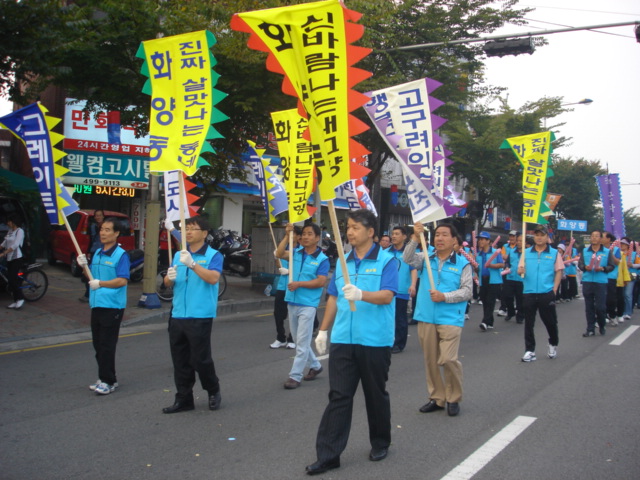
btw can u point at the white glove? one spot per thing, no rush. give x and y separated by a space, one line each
82 260
172 273
186 258
283 271
352 293
168 224
274 254
321 342
94 284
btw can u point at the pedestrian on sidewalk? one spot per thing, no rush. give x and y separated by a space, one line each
308 269
280 308
12 251
360 344
194 274
107 299
542 272
441 313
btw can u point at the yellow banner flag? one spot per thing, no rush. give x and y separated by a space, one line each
296 161
310 45
534 153
182 97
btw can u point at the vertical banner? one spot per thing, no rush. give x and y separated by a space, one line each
534 153
310 45
611 197
34 128
357 195
272 192
172 196
180 83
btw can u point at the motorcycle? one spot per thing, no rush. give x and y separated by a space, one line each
136 268
235 250
330 249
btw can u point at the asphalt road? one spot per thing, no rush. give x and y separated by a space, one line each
581 410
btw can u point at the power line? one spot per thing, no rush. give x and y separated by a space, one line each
569 26
581 10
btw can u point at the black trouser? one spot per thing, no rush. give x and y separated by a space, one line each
280 312
402 324
13 269
105 328
348 366
488 295
595 304
545 304
190 342
572 280
615 299
512 290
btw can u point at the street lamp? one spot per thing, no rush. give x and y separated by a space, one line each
584 101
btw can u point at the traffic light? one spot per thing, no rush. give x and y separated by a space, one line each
516 46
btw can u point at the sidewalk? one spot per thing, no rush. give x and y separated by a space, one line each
60 312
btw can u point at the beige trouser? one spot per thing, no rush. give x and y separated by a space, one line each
440 348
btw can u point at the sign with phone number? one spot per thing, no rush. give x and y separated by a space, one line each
106 170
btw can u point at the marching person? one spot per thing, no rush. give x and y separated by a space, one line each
512 241
308 277
596 262
407 278
94 245
512 287
360 344
440 313
542 272
12 251
107 299
632 264
194 275
615 294
490 279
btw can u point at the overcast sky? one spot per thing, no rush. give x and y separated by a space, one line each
604 67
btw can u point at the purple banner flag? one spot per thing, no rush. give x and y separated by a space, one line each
609 186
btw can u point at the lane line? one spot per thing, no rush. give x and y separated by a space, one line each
483 455
44 347
624 335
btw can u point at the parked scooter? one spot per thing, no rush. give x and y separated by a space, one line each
136 269
235 249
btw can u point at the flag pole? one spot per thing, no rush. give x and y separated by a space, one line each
273 237
524 244
170 241
423 244
290 257
338 241
183 227
87 272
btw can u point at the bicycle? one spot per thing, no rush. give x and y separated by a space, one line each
34 281
166 293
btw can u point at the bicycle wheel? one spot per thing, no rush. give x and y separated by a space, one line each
222 285
34 285
164 293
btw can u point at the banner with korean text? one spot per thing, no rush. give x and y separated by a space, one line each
172 196
534 153
181 84
272 192
611 197
34 128
310 44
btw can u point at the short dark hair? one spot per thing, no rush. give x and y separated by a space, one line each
15 218
385 235
117 224
365 217
200 221
610 236
452 230
402 229
597 230
314 227
297 230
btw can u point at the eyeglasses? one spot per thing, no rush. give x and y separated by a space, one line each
193 229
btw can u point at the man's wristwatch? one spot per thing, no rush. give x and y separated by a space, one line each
193 265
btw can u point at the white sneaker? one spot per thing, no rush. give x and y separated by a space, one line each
553 351
529 357
466 316
93 386
19 304
105 388
291 346
473 300
278 344
483 327
13 305
502 313
620 319
627 317
613 321
479 302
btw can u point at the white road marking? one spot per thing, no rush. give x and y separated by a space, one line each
478 459
624 335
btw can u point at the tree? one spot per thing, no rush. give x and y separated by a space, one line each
632 223
575 181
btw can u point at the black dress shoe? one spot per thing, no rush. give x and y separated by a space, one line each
215 400
378 454
321 467
179 407
453 409
432 406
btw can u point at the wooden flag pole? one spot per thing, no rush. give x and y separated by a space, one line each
524 244
423 243
290 256
169 239
273 237
87 272
338 240
183 227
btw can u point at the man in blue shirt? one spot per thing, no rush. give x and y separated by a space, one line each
490 279
194 274
512 286
542 274
108 299
308 269
407 279
361 343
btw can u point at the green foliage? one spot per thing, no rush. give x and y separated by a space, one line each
632 223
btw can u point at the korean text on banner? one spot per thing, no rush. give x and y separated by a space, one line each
296 161
172 196
34 128
310 45
180 83
611 196
272 192
534 153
